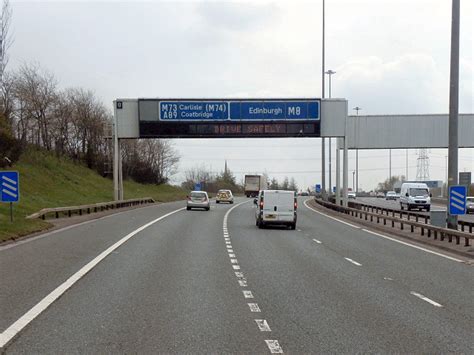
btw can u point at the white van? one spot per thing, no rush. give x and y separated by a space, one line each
276 207
415 195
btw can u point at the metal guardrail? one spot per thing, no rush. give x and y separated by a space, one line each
92 208
422 227
465 226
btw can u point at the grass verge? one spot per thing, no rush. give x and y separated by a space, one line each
49 181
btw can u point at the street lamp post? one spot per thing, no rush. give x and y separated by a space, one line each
453 108
330 73
357 109
323 141
353 181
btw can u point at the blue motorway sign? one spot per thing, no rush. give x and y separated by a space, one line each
9 186
239 110
457 200
317 188
197 186
193 110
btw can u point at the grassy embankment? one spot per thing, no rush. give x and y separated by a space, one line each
48 181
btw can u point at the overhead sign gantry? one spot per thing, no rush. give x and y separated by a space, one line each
222 118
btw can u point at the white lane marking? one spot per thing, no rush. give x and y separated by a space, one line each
248 294
352 261
47 234
254 307
231 255
229 246
236 267
243 283
388 278
336 219
239 274
413 246
227 242
424 298
234 261
317 241
263 325
230 250
274 346
298 230
24 320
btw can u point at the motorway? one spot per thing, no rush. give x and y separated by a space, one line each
395 205
161 279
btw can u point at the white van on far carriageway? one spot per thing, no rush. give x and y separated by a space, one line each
276 207
415 195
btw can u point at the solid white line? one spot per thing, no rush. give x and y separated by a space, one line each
424 298
254 307
274 346
413 246
317 241
336 219
24 320
352 261
47 234
263 325
247 294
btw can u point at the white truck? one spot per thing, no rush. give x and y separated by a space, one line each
253 184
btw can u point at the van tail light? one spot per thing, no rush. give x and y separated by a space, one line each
261 204
296 204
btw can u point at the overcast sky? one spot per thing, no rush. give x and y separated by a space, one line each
391 57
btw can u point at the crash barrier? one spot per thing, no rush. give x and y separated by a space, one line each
422 228
464 226
58 212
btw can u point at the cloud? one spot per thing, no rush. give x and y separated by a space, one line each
237 17
411 83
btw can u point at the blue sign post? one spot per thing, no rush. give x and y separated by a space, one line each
317 188
457 200
197 186
10 188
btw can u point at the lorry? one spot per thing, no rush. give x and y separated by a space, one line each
253 184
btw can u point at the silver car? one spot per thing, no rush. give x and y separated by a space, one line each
198 199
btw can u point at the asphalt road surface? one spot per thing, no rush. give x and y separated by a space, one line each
382 202
212 282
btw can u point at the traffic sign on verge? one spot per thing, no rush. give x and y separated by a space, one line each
9 186
317 188
457 200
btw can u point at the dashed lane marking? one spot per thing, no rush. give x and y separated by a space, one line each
231 255
353 262
426 299
239 274
263 325
236 267
274 346
234 261
254 307
317 241
243 283
248 294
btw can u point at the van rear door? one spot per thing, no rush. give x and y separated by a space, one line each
286 206
270 205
